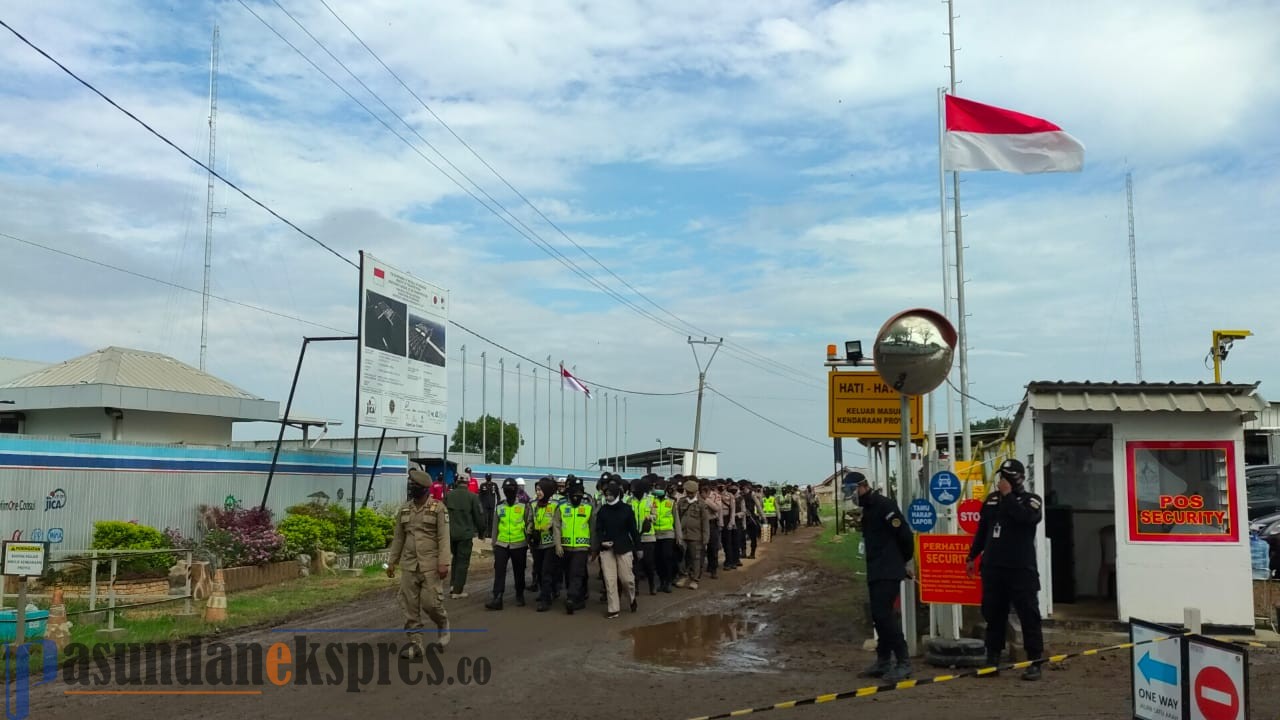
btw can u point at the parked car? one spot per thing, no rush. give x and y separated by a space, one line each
1268 528
1262 486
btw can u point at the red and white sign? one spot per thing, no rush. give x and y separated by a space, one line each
943 578
969 513
1217 673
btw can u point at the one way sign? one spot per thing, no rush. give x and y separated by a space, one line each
1157 672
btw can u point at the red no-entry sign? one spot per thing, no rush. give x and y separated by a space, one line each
969 512
1216 695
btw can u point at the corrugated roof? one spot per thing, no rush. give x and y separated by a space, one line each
1149 397
13 368
126 367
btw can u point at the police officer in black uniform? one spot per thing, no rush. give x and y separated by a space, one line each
889 546
1006 540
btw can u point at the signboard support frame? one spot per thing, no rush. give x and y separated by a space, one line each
355 426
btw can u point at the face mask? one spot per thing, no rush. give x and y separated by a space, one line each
417 491
510 493
575 498
611 499
864 499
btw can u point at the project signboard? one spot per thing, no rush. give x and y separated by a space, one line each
403 375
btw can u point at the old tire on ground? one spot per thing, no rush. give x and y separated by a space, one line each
962 653
955 661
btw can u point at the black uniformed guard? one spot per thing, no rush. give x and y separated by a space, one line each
890 545
1006 540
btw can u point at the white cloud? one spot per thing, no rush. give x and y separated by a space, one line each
766 171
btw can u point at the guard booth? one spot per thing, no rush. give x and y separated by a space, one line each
1145 508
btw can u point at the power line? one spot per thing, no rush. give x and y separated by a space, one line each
774 423
127 271
522 196
997 408
523 230
170 143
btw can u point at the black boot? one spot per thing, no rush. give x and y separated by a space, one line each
1032 673
877 669
494 604
520 600
900 671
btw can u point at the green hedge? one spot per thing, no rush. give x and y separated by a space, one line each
120 535
312 526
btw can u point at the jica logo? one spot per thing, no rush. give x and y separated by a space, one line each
56 500
20 677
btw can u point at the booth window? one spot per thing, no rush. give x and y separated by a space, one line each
1182 492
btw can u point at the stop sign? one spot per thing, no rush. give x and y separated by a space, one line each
969 513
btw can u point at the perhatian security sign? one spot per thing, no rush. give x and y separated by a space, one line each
861 405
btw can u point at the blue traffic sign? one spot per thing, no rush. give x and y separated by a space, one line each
944 486
921 516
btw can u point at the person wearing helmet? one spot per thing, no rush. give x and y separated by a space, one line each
572 529
421 545
642 505
545 568
695 527
510 544
1005 541
522 491
770 504
488 501
613 540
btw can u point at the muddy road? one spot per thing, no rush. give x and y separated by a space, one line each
780 628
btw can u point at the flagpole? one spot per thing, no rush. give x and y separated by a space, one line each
549 371
484 412
575 423
519 415
946 267
962 331
625 413
502 411
464 398
586 430
562 462
616 425
535 416
606 428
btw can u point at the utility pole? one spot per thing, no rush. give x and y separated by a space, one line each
702 382
209 213
548 410
1133 279
562 462
625 412
575 420
586 430
606 455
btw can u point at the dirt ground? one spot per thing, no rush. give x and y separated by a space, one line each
781 628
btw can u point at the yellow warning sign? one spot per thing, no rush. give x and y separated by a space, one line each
861 405
970 474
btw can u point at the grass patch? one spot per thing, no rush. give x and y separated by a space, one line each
260 607
840 553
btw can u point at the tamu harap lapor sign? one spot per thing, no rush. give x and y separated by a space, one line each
403 374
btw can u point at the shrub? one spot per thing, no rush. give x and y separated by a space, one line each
120 535
243 536
330 513
307 534
373 530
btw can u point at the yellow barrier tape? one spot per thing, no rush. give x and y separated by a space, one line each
907 684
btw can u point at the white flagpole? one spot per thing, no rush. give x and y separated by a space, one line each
519 414
535 415
502 411
575 424
962 333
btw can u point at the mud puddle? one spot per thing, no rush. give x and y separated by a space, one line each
712 642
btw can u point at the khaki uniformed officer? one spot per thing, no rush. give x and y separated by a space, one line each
421 545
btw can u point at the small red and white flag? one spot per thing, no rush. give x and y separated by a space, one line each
985 137
568 380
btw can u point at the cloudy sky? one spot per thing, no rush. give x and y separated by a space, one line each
762 171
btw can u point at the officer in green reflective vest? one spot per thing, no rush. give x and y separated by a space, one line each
510 544
770 504
642 503
545 568
572 529
666 528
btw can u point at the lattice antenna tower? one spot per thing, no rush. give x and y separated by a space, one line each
1133 279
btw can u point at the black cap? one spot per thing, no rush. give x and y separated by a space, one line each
1012 467
855 478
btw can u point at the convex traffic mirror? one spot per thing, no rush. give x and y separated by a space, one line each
913 351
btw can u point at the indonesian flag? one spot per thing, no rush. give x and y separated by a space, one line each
568 380
985 137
